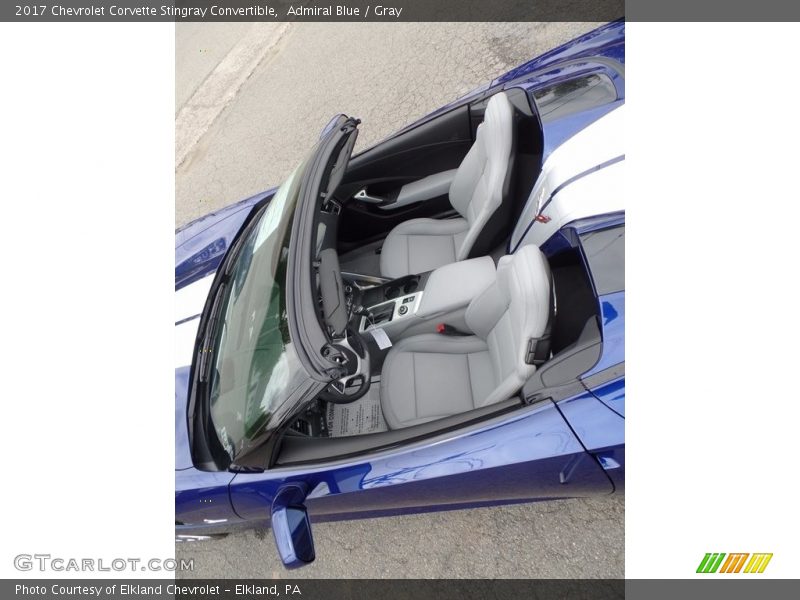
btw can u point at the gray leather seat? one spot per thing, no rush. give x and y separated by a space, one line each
477 190
430 376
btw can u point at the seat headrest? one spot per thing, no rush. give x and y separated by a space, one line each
497 129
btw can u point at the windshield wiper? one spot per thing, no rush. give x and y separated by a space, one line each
205 349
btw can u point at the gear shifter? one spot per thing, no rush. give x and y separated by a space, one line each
363 312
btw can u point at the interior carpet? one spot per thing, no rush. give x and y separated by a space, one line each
359 417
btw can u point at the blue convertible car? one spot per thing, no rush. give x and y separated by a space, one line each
436 322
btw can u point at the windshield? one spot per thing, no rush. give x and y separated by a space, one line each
255 368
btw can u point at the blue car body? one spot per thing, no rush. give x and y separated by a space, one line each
568 446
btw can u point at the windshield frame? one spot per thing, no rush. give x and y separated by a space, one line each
208 451
307 335
249 359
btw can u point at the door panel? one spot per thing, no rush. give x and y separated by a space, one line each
363 223
436 145
600 429
525 457
201 498
612 394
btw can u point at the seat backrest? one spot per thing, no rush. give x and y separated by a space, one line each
508 314
478 186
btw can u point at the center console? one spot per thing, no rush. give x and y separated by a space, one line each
417 303
389 301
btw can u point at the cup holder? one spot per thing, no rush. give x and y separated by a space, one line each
410 287
401 287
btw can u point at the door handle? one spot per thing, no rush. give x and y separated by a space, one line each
363 196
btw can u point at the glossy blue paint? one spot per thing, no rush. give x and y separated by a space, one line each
600 51
559 242
612 394
526 456
601 431
291 527
183 457
596 425
201 245
607 41
202 501
570 70
519 456
612 321
605 44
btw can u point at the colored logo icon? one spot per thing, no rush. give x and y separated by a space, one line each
734 563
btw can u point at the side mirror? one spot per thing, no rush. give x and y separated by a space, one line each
291 526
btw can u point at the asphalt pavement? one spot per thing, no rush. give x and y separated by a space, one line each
251 100
387 74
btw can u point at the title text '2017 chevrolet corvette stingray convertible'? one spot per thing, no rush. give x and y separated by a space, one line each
436 322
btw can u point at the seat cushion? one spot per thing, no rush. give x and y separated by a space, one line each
430 376
421 245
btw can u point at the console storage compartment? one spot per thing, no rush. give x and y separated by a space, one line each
455 285
417 303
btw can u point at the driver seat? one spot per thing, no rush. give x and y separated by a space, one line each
478 189
431 376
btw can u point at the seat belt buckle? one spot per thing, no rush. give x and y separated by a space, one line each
445 329
535 352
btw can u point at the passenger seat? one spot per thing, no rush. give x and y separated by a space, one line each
478 189
432 376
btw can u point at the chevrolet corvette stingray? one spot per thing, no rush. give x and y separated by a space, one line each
435 322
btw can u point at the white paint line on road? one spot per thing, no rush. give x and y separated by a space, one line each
221 86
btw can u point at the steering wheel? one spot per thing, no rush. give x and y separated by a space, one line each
353 356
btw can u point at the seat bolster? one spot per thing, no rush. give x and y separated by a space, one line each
394 254
485 310
479 187
398 259
507 388
526 280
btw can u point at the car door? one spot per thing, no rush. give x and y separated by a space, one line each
528 454
600 429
